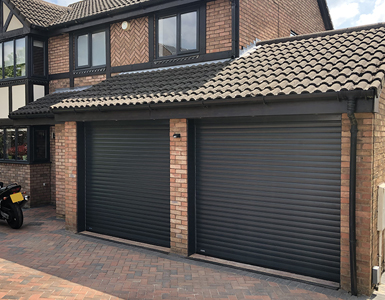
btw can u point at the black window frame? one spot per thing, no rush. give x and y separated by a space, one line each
45 56
178 14
33 144
5 159
31 154
89 34
14 58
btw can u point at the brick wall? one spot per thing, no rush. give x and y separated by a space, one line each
218 26
16 173
53 164
58 84
70 182
40 183
378 175
88 80
58 54
60 169
364 215
130 46
31 179
178 187
269 19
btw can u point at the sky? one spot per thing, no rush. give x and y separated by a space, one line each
344 13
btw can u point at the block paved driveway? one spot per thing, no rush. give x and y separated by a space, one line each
43 261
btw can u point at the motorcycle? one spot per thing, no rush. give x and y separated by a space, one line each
11 202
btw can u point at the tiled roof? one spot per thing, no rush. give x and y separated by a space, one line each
87 8
311 64
39 12
45 14
41 106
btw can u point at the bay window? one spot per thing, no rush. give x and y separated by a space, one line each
14 144
24 144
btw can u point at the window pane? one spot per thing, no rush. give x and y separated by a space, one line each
167 36
40 145
10 143
1 60
38 58
22 144
20 57
83 50
188 31
99 49
8 59
1 143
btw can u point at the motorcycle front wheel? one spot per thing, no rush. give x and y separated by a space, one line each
15 216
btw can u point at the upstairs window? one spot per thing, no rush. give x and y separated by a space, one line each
38 67
91 50
177 34
13 56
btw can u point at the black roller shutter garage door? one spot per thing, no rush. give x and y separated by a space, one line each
268 192
128 180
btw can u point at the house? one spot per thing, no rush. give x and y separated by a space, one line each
268 154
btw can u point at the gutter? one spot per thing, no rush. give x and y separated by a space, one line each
30 116
337 96
352 195
325 14
235 27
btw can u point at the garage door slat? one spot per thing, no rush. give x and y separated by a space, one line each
127 180
268 192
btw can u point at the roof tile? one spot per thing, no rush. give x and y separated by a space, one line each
272 69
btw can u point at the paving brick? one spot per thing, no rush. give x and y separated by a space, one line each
48 262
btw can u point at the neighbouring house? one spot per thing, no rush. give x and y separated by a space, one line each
167 124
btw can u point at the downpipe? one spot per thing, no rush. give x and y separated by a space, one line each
352 195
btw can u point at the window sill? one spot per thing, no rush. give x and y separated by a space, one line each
179 56
20 162
12 79
89 70
16 162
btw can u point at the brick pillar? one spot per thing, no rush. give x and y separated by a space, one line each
53 164
70 176
60 169
178 187
364 227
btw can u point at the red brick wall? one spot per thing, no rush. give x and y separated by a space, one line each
53 165
269 19
70 181
218 26
378 175
16 173
364 204
58 54
60 169
178 187
58 84
88 80
31 179
40 184
130 46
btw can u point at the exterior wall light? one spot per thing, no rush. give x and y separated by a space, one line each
126 25
176 136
